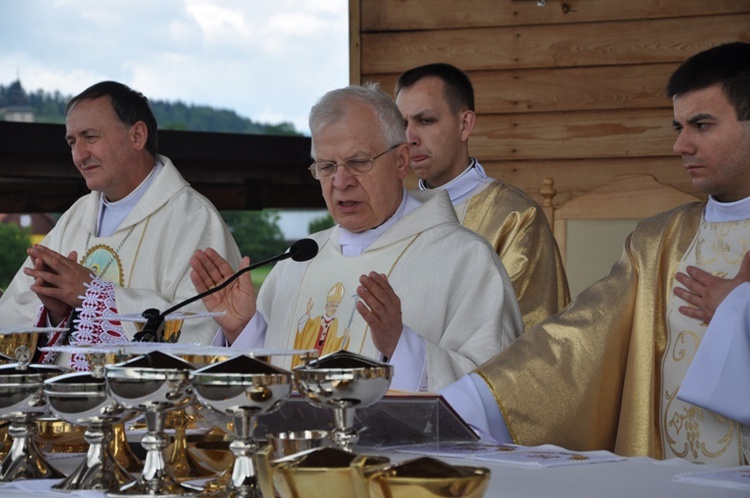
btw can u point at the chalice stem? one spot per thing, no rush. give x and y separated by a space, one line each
244 482
344 435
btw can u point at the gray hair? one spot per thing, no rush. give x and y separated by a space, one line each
332 106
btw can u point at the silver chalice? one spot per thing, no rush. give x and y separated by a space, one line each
343 381
153 384
242 388
82 399
22 401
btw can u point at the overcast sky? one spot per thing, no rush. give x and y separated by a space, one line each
268 60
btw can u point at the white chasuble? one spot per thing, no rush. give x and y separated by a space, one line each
329 289
689 431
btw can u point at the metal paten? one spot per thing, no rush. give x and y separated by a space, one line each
153 384
242 388
343 381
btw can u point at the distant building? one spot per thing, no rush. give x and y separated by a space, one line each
17 106
39 224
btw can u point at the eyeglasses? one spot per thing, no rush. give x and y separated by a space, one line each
353 165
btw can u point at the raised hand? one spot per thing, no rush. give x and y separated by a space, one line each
237 299
381 308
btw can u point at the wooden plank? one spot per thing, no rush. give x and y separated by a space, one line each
625 197
576 177
553 46
567 89
355 56
574 135
234 171
400 15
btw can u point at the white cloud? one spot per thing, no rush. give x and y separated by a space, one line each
268 61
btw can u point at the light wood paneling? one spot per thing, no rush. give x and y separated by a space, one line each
570 135
572 91
552 46
411 15
576 177
543 90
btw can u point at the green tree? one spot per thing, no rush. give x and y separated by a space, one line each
320 223
13 244
257 233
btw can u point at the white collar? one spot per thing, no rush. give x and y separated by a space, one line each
355 243
461 186
112 214
727 211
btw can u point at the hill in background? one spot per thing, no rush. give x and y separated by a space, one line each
49 107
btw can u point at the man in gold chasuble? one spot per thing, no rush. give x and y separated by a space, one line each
126 246
606 372
417 288
437 102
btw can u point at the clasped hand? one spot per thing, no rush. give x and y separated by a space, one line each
59 281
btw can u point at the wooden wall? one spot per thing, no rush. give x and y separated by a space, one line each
572 90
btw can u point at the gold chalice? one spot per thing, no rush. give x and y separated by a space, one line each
420 478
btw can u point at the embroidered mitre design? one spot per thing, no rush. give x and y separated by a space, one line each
689 431
326 304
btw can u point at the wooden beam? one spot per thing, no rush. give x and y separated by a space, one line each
235 171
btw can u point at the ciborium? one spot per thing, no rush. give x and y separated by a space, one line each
152 384
423 477
22 401
82 399
242 388
343 381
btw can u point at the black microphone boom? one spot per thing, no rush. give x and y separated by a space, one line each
153 330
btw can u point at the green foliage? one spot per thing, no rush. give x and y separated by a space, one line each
321 223
50 108
257 233
13 244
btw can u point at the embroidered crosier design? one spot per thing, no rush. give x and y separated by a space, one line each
321 332
689 431
685 420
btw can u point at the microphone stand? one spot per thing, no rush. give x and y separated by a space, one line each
153 330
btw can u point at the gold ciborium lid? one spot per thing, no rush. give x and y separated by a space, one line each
423 477
318 473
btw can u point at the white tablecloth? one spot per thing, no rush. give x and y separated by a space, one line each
631 477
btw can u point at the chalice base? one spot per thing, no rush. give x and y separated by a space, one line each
24 460
99 471
163 487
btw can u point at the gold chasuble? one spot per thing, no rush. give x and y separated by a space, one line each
518 230
690 431
590 377
326 278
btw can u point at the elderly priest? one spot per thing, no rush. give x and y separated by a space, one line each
398 277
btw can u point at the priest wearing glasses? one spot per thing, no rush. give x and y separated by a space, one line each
421 291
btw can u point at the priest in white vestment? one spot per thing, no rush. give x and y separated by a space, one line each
126 246
417 288
628 366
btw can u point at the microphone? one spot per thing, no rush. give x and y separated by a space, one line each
153 330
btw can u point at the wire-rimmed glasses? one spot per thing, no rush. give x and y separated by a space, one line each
354 166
